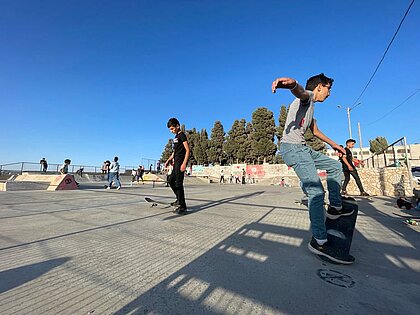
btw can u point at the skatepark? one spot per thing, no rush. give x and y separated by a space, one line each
242 249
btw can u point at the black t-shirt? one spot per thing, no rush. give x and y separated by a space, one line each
349 158
179 149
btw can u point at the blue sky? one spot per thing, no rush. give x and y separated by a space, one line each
88 80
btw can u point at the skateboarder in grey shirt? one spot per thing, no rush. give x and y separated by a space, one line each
306 161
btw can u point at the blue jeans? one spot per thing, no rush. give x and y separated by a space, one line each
305 162
113 177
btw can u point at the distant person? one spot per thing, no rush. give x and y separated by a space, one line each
140 173
243 176
150 169
231 178
349 169
105 167
133 176
114 169
64 169
80 171
222 177
180 158
158 166
44 165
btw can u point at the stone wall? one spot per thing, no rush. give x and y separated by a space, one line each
390 181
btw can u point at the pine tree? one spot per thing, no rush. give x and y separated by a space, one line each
282 124
264 129
193 139
315 143
250 156
235 147
280 130
167 151
378 144
215 150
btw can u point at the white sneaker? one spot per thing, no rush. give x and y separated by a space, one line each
108 187
119 187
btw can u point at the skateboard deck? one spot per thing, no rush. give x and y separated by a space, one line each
340 231
155 203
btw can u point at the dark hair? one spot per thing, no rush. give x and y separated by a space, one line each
116 159
67 161
313 82
173 122
350 140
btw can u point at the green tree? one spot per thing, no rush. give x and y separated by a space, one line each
378 144
200 147
264 129
280 130
315 143
167 151
250 155
215 150
235 145
193 140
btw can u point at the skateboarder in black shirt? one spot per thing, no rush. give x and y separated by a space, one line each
180 158
350 169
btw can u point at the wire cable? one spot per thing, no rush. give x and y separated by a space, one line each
383 57
394 108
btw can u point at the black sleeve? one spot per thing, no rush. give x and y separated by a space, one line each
182 138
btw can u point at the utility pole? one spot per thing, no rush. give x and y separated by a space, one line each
348 118
348 109
360 141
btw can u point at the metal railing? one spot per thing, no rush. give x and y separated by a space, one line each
396 154
53 168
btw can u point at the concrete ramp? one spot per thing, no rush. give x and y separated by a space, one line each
24 185
63 182
27 177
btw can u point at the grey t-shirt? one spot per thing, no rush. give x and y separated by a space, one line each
298 120
115 167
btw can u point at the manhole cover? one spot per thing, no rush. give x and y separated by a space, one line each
336 278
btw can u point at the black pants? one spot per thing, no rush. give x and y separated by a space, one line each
176 181
355 176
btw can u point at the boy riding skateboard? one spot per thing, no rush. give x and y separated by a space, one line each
180 159
306 161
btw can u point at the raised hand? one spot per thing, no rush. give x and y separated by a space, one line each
283 83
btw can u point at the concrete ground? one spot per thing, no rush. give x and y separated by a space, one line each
241 250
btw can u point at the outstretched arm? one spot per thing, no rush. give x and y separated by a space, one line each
320 135
291 84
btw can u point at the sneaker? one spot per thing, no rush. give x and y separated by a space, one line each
180 210
344 192
364 194
174 204
333 213
119 187
108 187
331 253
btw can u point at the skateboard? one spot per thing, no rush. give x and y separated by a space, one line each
155 203
340 231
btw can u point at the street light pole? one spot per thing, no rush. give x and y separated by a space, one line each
348 109
348 118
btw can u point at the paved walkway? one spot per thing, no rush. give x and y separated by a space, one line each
242 250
